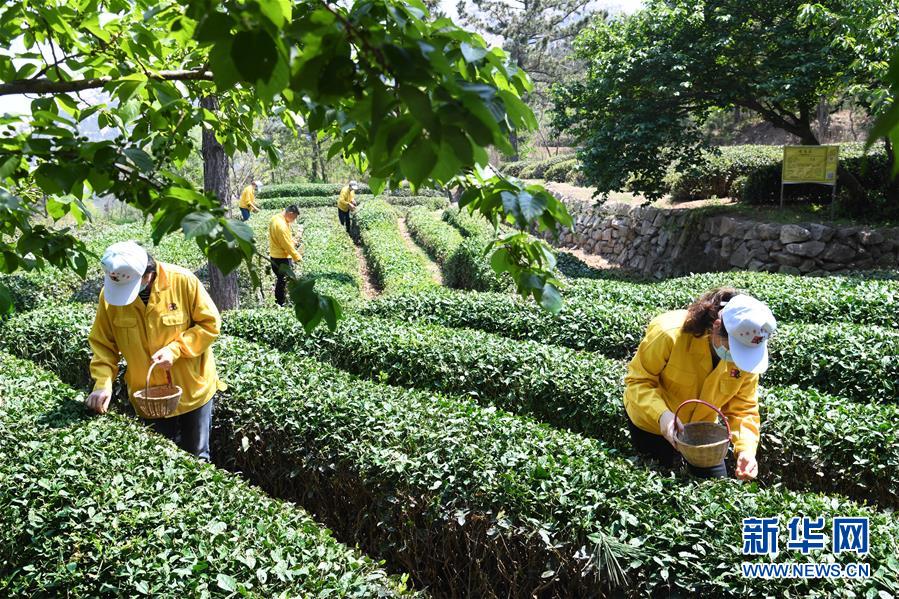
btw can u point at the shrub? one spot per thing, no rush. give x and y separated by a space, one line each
753 173
329 258
561 171
396 267
306 189
801 446
855 362
100 506
439 239
429 482
428 201
833 299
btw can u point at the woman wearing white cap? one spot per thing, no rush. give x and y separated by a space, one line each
714 351
150 312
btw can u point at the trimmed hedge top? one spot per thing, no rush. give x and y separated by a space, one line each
100 506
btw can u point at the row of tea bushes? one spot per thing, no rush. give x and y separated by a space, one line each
475 501
32 289
809 441
860 363
279 203
296 190
329 257
396 267
99 506
462 259
838 299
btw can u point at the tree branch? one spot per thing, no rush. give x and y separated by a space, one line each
46 86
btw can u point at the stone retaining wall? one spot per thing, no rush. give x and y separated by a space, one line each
663 243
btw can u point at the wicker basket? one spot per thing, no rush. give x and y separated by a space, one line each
159 401
703 444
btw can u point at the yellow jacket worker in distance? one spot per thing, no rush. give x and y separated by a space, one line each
150 312
714 351
346 201
281 251
248 200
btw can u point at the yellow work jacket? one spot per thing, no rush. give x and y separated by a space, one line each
179 315
346 198
280 240
248 198
671 367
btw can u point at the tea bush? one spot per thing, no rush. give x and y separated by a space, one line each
430 481
100 506
396 267
581 391
860 363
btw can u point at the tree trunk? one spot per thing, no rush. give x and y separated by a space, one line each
313 170
222 288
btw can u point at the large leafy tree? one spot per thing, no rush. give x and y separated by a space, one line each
403 97
653 78
537 34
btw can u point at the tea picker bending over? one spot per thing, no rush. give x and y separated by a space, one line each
155 313
714 350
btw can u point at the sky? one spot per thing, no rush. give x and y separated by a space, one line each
19 104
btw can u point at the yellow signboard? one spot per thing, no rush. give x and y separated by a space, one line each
810 164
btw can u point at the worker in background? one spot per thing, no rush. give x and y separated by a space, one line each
248 200
281 250
346 201
151 312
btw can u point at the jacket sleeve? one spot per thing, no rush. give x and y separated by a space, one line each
105 361
642 395
286 242
207 322
742 412
252 199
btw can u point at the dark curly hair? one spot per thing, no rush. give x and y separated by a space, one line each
703 313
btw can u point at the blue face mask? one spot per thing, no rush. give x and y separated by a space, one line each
723 353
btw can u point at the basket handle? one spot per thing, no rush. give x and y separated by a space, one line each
705 403
168 374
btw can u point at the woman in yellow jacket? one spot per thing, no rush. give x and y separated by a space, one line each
150 312
714 351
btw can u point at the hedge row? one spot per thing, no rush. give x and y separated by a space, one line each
33 289
295 190
470 267
474 501
332 189
99 506
434 203
439 239
562 169
461 259
329 257
801 446
396 267
753 173
323 201
836 299
859 363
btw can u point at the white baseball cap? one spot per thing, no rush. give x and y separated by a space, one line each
257 183
124 264
749 323
354 186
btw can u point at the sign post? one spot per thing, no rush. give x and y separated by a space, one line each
810 164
